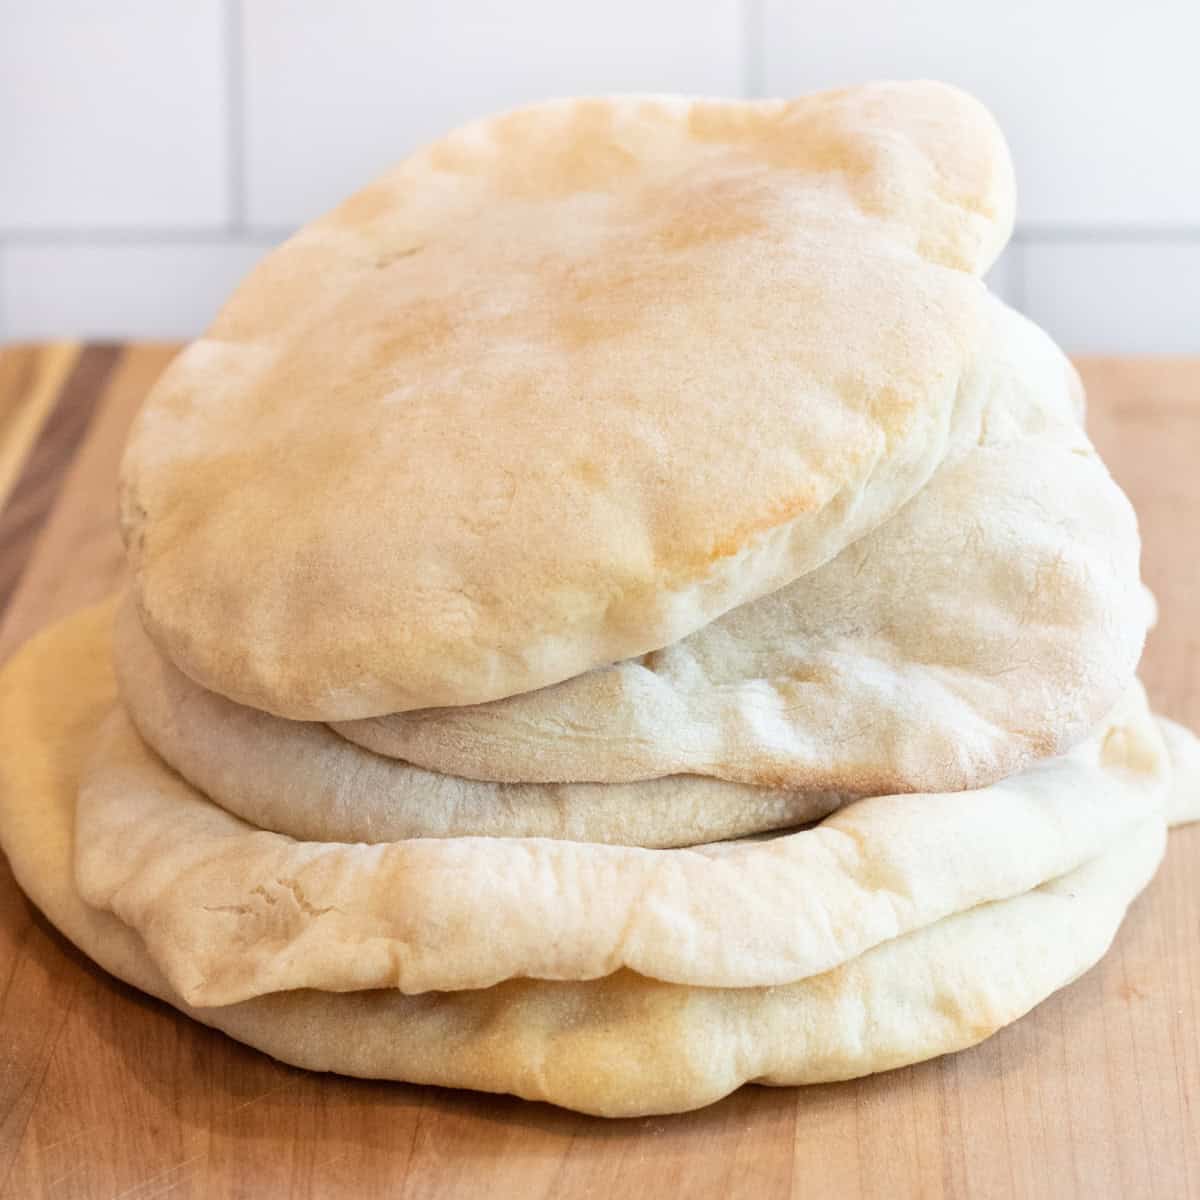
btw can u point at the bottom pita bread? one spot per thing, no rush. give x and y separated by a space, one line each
620 1046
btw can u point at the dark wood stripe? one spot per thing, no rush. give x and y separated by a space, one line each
18 377
41 478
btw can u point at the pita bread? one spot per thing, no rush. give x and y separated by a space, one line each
621 1046
301 779
229 911
1183 751
562 388
993 621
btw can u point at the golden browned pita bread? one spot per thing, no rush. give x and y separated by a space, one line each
994 620
229 911
620 1046
561 389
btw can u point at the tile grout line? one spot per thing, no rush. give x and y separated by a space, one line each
235 124
1041 232
753 28
161 236
1017 292
242 231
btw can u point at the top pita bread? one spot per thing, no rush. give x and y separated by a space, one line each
562 388
992 621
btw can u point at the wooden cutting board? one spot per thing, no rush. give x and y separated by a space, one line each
105 1093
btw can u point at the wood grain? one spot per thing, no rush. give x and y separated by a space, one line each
42 433
1097 1093
30 379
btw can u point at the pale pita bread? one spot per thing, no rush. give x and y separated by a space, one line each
561 389
993 621
621 1046
301 779
229 911
1183 750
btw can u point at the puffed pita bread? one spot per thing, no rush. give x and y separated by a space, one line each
993 621
562 388
301 779
229 911
621 1046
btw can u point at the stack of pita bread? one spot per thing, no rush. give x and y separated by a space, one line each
618 610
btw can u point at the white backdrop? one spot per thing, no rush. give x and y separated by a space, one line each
150 151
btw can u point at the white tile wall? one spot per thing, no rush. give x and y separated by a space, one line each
1118 297
112 114
1099 98
161 289
1005 276
149 151
337 92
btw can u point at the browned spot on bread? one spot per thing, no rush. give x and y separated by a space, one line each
719 211
413 328
778 514
589 472
581 155
800 138
363 207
